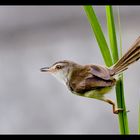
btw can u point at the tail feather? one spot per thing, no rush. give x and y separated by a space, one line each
131 56
127 62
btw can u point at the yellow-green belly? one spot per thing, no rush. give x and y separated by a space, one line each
97 94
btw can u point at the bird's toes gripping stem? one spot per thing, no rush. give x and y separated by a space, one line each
115 110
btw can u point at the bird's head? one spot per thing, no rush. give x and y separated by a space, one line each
61 70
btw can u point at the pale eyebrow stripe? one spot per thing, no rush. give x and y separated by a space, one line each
63 62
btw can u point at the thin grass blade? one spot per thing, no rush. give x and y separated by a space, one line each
123 119
112 33
96 28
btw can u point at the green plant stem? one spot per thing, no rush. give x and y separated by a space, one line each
123 121
96 28
112 33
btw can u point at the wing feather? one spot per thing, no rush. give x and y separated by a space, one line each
101 72
89 78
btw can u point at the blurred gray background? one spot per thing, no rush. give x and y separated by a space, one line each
32 37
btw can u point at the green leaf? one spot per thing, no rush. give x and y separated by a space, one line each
96 28
123 121
112 33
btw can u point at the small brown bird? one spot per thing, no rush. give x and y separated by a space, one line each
93 81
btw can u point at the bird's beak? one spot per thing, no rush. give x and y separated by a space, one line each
45 69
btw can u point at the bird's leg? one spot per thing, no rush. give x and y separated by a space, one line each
115 109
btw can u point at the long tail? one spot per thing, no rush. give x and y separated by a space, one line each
131 56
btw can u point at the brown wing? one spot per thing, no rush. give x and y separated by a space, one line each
92 84
100 72
90 78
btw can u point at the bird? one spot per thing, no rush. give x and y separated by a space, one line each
93 81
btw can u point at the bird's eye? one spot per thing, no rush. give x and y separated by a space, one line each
58 67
